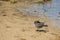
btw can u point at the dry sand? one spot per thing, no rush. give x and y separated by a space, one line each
15 25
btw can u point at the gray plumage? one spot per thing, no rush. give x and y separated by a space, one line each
39 24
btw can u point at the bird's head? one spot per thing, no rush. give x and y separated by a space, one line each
36 22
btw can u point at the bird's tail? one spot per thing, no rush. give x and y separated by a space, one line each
45 25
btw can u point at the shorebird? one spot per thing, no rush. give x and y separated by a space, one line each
39 25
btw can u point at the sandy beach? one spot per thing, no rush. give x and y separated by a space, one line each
15 25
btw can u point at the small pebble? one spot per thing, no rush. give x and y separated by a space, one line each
4 15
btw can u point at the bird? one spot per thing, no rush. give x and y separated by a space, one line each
39 24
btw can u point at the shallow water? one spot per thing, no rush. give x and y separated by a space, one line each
50 10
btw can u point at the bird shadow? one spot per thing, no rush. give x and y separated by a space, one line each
42 31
